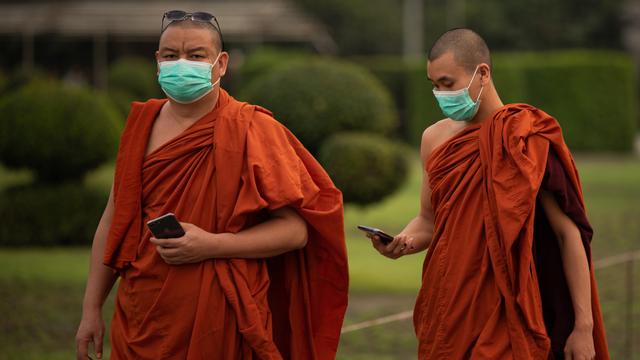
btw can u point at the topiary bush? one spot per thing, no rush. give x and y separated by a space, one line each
320 97
58 132
592 94
132 79
62 214
366 167
264 59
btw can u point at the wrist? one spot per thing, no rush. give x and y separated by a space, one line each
584 325
91 308
219 245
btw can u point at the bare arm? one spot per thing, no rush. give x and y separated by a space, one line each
99 284
283 232
417 235
576 269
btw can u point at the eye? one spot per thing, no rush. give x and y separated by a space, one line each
197 56
169 56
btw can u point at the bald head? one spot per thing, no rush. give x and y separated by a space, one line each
216 37
467 47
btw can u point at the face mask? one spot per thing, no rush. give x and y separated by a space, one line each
186 81
457 104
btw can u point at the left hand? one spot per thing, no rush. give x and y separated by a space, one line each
188 249
580 345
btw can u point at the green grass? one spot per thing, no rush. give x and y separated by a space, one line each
41 289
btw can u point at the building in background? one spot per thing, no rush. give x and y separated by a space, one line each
77 39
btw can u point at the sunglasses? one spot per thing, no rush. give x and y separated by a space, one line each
179 15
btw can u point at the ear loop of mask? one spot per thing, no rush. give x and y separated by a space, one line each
481 86
214 64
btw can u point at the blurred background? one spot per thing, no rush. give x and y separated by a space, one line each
348 78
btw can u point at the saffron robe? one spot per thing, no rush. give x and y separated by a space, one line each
488 263
223 174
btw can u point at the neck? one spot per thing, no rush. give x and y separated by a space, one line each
490 103
189 113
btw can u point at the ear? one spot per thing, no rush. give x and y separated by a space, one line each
223 61
484 70
157 62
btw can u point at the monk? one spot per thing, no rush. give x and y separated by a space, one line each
261 272
508 273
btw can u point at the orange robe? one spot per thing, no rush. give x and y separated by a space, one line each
481 291
222 174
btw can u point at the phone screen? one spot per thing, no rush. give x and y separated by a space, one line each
384 237
166 227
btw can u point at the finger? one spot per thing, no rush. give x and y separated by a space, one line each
393 245
97 345
165 243
82 346
377 243
568 355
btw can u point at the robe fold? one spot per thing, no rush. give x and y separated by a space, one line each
223 174
493 282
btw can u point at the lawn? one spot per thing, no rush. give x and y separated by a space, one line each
41 289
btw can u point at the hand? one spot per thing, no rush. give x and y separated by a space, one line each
580 345
91 330
188 249
401 245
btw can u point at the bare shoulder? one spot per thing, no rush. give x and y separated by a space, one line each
433 136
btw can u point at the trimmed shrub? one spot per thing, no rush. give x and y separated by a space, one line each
132 79
366 167
263 60
320 97
59 132
592 94
65 214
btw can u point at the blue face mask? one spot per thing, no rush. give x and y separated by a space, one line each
458 105
186 81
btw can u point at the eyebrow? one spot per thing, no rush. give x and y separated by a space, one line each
441 79
200 48
164 48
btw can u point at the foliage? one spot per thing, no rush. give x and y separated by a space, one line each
132 79
365 167
57 131
62 214
591 93
320 97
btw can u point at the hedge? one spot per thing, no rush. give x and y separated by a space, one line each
593 94
320 97
132 79
57 131
366 167
63 214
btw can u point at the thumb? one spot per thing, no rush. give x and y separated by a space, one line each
97 343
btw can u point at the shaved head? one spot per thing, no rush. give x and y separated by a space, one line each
467 47
215 33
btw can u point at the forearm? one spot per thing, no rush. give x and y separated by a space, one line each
282 233
101 278
576 269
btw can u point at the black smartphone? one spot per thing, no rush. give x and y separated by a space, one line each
165 227
384 237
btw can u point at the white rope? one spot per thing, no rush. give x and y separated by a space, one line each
379 321
598 264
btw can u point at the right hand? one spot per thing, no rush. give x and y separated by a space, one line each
401 245
91 330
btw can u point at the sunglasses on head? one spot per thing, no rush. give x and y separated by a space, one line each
200 16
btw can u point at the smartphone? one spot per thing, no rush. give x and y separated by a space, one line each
165 227
384 237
